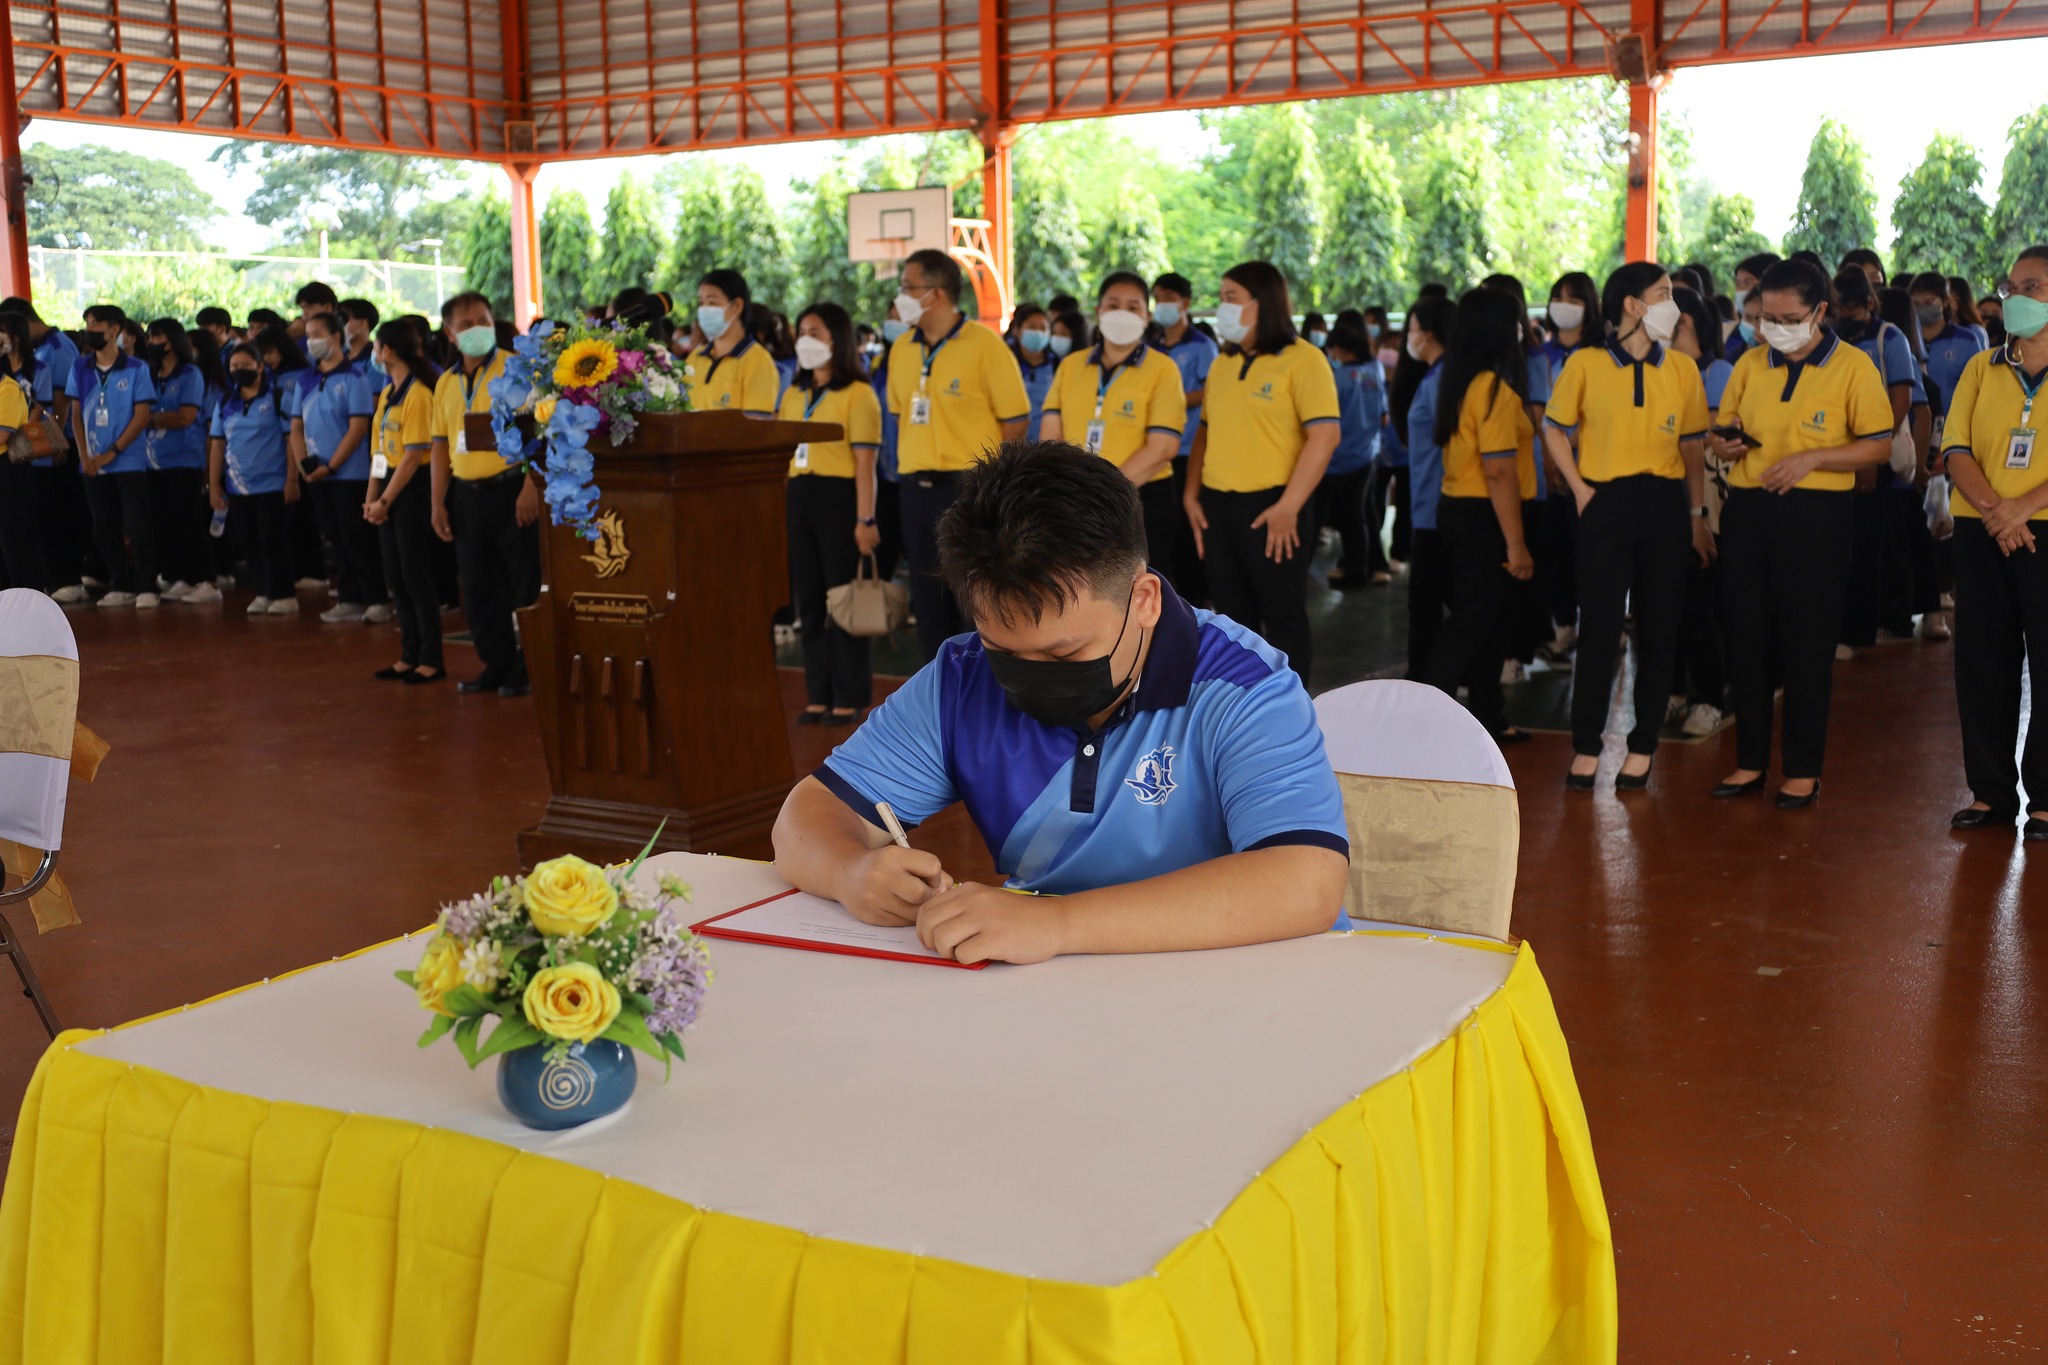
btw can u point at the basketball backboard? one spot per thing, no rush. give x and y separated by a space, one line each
884 226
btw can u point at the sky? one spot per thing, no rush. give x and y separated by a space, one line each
1736 114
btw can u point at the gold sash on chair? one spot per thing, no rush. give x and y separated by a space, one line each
1440 855
52 906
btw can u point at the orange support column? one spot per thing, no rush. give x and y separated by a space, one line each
526 278
14 221
995 200
1640 235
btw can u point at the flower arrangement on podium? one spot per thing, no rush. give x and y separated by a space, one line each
568 967
578 383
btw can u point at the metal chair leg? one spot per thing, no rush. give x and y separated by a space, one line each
17 952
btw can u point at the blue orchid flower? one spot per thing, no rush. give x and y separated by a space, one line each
572 424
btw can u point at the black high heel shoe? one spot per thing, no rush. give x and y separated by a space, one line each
1579 782
1624 782
1784 802
1728 789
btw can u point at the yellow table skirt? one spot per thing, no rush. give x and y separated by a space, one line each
1450 1214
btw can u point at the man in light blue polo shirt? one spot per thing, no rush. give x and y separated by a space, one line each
112 394
1157 770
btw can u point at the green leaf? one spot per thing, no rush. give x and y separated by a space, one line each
651 840
442 1023
406 977
673 1043
465 1039
466 1000
629 1028
510 1034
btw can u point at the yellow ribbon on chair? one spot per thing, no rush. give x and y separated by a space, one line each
52 906
38 704
1440 854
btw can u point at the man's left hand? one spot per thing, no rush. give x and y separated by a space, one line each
976 923
527 509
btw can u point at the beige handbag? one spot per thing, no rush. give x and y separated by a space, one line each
868 606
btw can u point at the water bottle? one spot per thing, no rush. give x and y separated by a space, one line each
220 525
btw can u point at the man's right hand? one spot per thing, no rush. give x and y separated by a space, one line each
890 883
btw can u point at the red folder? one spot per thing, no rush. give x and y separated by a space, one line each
710 928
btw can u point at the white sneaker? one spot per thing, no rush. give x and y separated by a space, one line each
284 606
1702 720
71 594
376 615
258 605
91 582
1511 672
226 582
118 599
145 601
176 591
1934 626
308 584
342 613
1844 653
201 595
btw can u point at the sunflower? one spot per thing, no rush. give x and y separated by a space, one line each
586 364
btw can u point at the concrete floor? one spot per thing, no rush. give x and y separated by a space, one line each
1811 1044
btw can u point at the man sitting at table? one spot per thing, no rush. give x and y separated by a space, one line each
1156 769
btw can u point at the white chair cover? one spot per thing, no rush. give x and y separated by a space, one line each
38 708
1430 806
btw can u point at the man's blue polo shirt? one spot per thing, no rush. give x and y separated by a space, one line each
1217 752
1194 354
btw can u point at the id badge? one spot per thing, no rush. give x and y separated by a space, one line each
920 411
380 468
1094 441
1940 426
803 456
462 439
2019 451
100 417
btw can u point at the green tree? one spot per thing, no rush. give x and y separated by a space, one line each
1284 191
1837 204
1727 236
1452 247
487 253
1050 245
756 244
700 222
820 242
373 201
1365 255
2022 189
1942 221
113 200
1133 237
568 251
636 247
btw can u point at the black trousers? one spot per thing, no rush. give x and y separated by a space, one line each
1702 653
67 537
124 529
178 501
1402 542
822 555
1862 602
407 539
1480 593
888 521
1251 589
1428 591
1528 598
23 514
499 563
1378 486
1164 518
2001 627
1554 536
1635 541
1340 505
262 521
362 558
1190 579
925 499
1911 586
1785 574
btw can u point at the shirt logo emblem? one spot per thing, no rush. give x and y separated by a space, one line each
953 387
1817 422
1670 421
1153 780
1266 389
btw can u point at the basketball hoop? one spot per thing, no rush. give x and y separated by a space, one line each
887 253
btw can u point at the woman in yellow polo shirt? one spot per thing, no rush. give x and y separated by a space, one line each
1640 413
21 536
1489 454
1122 400
1803 411
1996 441
831 508
400 504
730 371
1269 427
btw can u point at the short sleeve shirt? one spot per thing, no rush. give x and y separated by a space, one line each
1889 350
971 380
403 418
1493 424
1833 397
56 356
1947 356
745 380
13 404
1217 752
1990 404
1361 401
1037 384
1425 456
252 436
329 400
457 394
107 403
184 447
1258 410
1193 354
852 407
1630 414
1134 399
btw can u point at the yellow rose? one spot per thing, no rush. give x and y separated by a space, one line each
544 410
574 1003
569 896
439 972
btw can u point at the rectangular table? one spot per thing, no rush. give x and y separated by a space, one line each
1361 1147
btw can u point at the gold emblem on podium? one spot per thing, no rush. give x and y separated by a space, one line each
608 552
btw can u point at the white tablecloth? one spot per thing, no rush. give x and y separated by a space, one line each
1074 1120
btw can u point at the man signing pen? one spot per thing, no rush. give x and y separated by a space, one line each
1157 770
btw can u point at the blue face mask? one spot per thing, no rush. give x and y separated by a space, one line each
712 321
894 328
1168 314
1748 333
1318 339
1061 345
1034 338
377 368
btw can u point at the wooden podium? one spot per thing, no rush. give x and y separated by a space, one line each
652 650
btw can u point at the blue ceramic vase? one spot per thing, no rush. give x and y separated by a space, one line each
592 1080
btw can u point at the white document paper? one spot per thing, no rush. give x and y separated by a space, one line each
804 918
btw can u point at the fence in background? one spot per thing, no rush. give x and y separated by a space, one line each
150 284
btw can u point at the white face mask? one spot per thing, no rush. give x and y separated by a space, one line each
319 347
1230 322
1660 320
812 353
1786 339
1566 314
1415 346
909 309
1120 328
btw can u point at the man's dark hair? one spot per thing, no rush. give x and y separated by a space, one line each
260 318
1756 265
468 298
15 303
1063 303
1037 524
1176 283
1860 257
104 312
317 294
213 315
362 310
938 269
